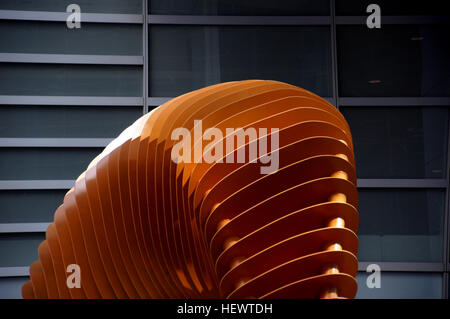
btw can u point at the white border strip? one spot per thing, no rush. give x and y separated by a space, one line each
23 227
62 16
71 59
70 100
54 142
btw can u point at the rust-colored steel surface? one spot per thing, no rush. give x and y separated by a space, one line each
141 225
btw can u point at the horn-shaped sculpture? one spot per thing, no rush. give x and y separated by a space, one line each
140 224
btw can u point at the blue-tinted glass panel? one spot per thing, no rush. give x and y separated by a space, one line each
70 80
29 206
184 58
401 225
399 142
19 250
45 163
396 285
11 287
56 38
66 121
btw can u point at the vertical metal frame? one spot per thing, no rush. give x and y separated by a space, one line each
145 55
446 244
334 62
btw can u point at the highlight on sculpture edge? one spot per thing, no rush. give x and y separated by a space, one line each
139 224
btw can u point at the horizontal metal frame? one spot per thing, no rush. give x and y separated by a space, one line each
62 16
157 101
71 59
70 100
393 101
385 266
394 19
14 271
401 183
54 142
214 20
403 266
23 228
361 183
36 184
290 20
238 20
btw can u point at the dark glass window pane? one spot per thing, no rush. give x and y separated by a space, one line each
11 287
19 250
56 38
401 225
184 58
66 121
393 8
29 206
397 285
399 142
71 80
240 7
44 163
395 60
97 6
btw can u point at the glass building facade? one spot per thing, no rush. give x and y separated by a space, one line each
66 93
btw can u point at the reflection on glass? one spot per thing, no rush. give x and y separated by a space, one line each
395 285
240 7
401 225
395 60
184 58
399 142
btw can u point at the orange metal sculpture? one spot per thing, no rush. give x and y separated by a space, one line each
141 226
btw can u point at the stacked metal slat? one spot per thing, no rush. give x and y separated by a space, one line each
140 225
